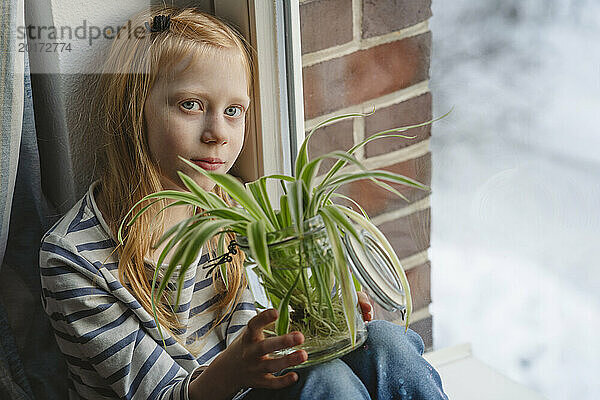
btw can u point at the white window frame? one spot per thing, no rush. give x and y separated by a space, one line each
273 29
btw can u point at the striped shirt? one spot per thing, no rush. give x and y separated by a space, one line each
111 344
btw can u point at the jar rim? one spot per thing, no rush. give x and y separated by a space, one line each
372 266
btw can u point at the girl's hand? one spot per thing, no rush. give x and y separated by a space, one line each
245 363
365 306
250 350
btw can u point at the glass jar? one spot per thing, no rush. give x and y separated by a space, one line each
315 305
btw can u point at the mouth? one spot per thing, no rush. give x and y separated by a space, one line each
209 163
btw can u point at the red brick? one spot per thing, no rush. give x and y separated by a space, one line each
424 328
419 280
410 234
376 200
325 23
409 112
385 16
365 74
337 136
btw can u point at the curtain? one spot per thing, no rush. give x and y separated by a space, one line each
13 383
31 366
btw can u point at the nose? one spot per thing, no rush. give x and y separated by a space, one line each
215 131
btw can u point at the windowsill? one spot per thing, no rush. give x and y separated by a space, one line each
466 378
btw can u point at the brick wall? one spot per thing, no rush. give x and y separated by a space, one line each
357 54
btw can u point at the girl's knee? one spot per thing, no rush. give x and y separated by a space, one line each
331 380
400 353
387 335
323 373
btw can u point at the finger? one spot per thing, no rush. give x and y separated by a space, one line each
365 307
278 382
366 316
279 342
362 296
278 364
258 322
367 311
364 302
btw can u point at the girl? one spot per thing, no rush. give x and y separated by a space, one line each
182 86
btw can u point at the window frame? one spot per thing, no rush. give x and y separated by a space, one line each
277 123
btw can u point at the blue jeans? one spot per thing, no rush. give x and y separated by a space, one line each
387 366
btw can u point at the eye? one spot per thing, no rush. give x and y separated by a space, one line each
190 105
232 110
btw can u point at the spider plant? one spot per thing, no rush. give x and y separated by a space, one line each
305 196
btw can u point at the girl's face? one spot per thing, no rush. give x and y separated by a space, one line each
199 114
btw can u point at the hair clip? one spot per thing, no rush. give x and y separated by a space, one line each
223 258
159 23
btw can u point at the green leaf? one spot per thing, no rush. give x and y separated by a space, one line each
142 211
378 183
181 197
236 214
169 233
157 293
322 193
349 298
362 210
182 229
236 190
280 220
173 204
280 177
190 199
295 199
390 189
340 219
285 211
203 195
259 306
190 241
188 250
203 234
283 320
320 273
186 197
302 157
378 135
258 189
357 285
390 132
275 299
309 171
257 241
377 174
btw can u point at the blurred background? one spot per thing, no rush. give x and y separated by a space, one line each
516 188
500 255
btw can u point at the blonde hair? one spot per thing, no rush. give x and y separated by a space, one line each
129 173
